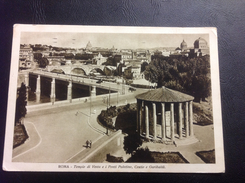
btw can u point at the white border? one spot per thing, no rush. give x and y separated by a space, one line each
218 167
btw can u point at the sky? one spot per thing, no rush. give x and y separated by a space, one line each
108 40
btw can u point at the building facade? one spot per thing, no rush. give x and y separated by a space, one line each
26 57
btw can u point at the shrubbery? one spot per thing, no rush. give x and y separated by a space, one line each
107 115
142 155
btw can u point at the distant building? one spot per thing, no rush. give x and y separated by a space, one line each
109 70
201 45
88 46
133 69
178 50
26 57
55 60
113 50
162 52
99 59
183 46
201 48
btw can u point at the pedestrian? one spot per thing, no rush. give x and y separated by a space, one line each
87 143
90 143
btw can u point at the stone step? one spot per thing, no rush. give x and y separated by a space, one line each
186 141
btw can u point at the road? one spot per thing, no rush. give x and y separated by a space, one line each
59 133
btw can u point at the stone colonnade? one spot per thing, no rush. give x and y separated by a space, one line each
52 93
183 131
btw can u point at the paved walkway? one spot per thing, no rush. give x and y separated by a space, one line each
205 143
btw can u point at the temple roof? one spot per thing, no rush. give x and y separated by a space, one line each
164 95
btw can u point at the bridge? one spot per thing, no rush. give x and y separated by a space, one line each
53 82
76 69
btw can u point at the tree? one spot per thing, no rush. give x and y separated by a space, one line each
189 75
69 56
143 66
201 87
37 56
157 72
43 62
21 103
131 143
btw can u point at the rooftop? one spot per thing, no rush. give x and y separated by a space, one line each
164 95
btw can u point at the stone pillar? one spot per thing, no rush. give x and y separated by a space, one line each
27 80
38 86
141 116
138 116
191 118
146 122
180 120
154 121
93 91
69 91
172 121
52 94
38 96
163 123
186 120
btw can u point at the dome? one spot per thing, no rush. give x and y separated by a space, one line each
183 45
201 43
164 95
89 46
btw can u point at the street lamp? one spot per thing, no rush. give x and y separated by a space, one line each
109 94
117 94
90 94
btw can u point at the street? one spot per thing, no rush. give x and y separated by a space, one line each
56 134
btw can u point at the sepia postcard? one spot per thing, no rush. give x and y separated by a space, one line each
114 99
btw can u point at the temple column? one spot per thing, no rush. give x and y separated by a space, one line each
191 117
141 116
138 116
38 86
180 120
186 120
52 93
69 91
172 121
146 122
163 123
154 121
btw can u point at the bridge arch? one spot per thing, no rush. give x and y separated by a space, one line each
97 70
59 71
78 71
